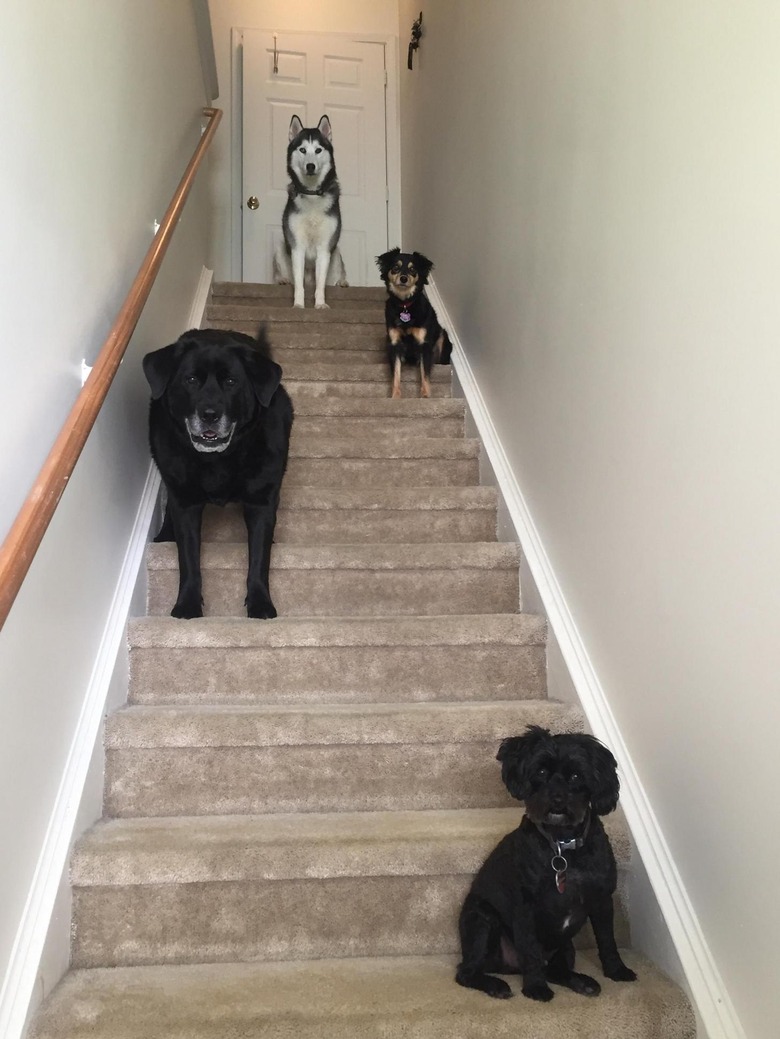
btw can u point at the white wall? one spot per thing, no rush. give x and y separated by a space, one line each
598 181
102 115
366 16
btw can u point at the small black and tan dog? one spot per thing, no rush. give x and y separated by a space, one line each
546 878
414 335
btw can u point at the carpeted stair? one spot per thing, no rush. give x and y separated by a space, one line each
294 808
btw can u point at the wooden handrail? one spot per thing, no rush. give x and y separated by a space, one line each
26 534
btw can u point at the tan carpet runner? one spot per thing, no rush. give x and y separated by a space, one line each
294 808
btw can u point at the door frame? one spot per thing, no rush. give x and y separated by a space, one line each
392 134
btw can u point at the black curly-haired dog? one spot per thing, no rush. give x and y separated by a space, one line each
219 430
414 335
546 878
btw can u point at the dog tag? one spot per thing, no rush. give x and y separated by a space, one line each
405 315
559 865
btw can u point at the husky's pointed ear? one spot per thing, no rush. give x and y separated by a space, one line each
159 366
386 261
424 266
325 129
296 126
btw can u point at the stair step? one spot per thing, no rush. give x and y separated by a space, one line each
195 889
350 580
379 461
216 849
312 337
238 760
414 997
342 659
404 410
356 419
363 380
344 357
379 373
369 387
357 321
334 294
319 515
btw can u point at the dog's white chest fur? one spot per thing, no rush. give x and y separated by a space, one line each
310 222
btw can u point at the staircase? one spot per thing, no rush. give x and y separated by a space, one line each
294 808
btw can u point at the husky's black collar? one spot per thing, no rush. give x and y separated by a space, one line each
329 186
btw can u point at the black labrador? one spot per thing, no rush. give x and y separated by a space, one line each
219 430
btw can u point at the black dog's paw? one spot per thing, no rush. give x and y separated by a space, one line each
486 983
538 990
616 970
497 988
583 984
260 607
187 609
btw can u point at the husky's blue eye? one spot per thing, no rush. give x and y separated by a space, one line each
302 151
317 151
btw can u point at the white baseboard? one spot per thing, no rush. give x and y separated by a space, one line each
703 980
31 935
200 299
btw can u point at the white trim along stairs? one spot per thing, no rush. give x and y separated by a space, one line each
293 808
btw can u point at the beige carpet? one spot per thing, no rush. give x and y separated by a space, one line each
294 808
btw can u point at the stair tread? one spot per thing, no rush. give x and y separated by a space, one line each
331 724
411 407
393 498
256 289
295 316
447 629
413 997
290 846
473 555
389 446
322 371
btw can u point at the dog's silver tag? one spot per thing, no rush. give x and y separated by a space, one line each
405 315
559 865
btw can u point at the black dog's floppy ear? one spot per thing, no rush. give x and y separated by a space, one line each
159 366
424 266
514 754
264 374
604 782
295 128
386 261
325 128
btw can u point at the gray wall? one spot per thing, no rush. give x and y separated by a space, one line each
102 113
598 183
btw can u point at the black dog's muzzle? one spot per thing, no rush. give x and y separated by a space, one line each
209 436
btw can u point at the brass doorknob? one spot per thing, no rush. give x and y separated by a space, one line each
253 202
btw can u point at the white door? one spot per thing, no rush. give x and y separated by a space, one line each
310 75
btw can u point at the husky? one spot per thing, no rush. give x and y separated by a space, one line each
311 221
